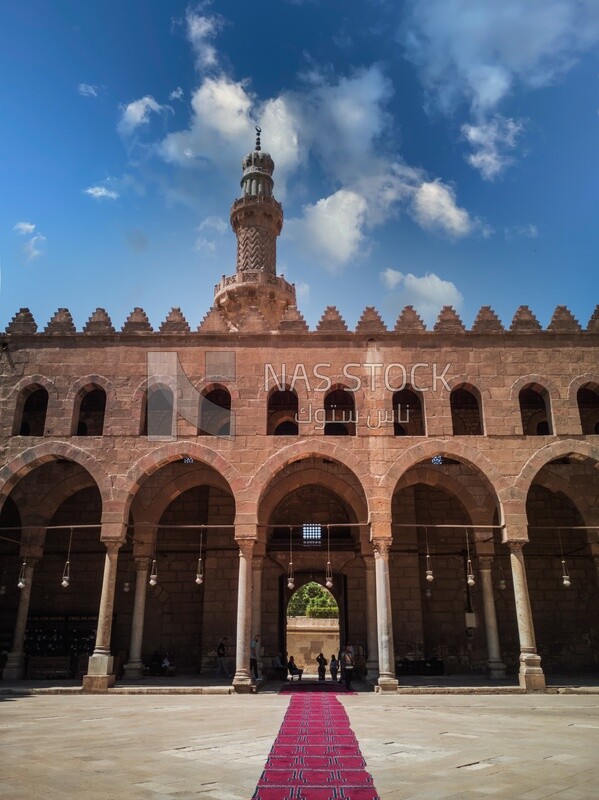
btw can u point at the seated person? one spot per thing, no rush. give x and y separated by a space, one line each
168 667
279 667
294 669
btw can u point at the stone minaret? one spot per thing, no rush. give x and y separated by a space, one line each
257 219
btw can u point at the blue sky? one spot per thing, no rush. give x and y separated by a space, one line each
428 152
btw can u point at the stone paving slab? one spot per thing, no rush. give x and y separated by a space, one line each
211 747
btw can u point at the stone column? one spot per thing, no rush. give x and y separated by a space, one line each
242 680
531 675
372 642
387 681
15 661
134 667
496 666
99 676
256 624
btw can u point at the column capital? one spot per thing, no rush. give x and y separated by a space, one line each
257 561
517 546
142 563
485 563
246 547
381 547
112 547
368 560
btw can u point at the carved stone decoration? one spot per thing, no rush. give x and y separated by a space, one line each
293 321
371 322
175 322
409 322
256 249
525 321
22 322
99 322
448 321
61 323
563 321
331 322
487 321
593 326
213 322
253 322
137 322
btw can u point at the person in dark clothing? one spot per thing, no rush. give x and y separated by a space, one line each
347 665
322 667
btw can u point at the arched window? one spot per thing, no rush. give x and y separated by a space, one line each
408 419
465 411
282 413
215 413
90 405
340 413
535 411
158 412
30 417
588 408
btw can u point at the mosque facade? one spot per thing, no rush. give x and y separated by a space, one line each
161 489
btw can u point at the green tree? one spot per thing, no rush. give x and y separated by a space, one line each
312 600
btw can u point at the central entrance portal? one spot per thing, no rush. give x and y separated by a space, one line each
312 626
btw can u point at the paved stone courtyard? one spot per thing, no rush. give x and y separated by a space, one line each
421 747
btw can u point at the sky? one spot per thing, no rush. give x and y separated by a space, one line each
427 152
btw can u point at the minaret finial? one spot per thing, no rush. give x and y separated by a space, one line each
258 132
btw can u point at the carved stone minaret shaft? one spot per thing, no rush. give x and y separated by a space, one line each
257 219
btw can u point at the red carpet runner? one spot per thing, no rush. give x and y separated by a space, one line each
315 755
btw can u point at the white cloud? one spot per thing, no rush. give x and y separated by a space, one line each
214 223
176 94
201 29
428 294
302 291
31 248
87 90
101 193
204 245
137 113
480 52
332 228
490 141
434 208
521 232
24 228
339 121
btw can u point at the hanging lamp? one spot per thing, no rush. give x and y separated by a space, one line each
66 573
502 583
200 567
429 569
290 576
328 580
22 580
566 582
154 572
469 571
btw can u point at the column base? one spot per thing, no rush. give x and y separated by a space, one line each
133 669
386 685
531 676
496 670
14 669
98 684
243 684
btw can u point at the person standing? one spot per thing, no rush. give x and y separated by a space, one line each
322 667
334 667
347 665
222 651
254 656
